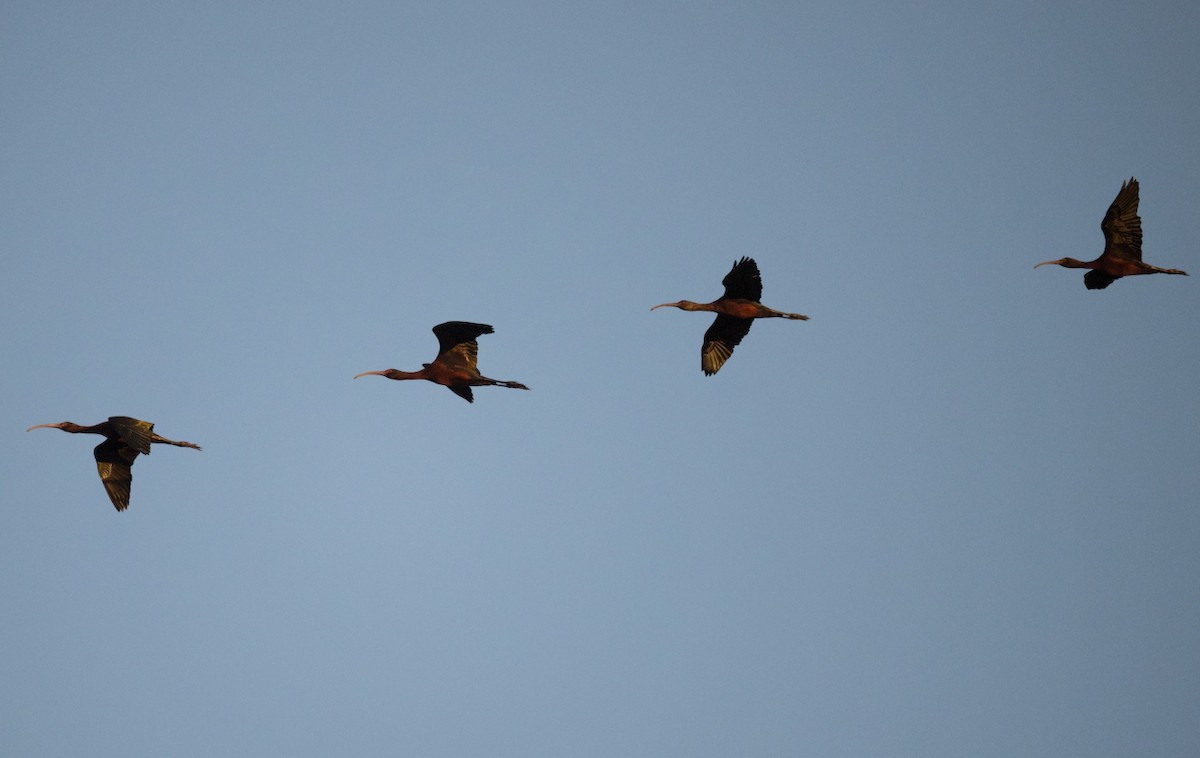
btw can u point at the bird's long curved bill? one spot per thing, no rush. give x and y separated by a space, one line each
41 426
370 373
664 305
1045 263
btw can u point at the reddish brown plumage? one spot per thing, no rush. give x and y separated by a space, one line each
736 311
1122 254
455 365
124 439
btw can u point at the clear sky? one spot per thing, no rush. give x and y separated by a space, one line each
955 514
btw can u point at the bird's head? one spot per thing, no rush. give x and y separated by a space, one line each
1067 262
373 373
686 305
390 373
66 426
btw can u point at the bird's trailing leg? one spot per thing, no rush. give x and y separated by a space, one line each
165 441
510 385
1158 270
780 314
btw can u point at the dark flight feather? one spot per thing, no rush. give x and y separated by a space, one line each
743 282
1097 279
1122 226
721 338
114 461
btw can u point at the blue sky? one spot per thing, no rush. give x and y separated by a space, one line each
953 514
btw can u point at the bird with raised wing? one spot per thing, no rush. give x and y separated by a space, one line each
736 311
454 366
124 439
1122 254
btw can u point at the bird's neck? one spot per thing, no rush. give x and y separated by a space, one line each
1072 263
398 375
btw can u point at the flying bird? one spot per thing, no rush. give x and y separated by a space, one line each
1122 254
736 311
124 438
454 366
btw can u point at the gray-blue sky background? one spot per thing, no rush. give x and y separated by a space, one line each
954 514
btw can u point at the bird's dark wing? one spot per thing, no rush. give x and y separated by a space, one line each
464 355
743 281
1098 280
720 340
1122 226
453 333
137 434
114 461
457 345
463 391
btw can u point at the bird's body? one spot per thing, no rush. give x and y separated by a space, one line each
736 311
455 365
124 439
1122 254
